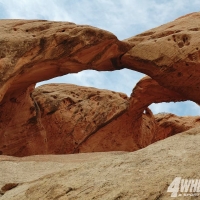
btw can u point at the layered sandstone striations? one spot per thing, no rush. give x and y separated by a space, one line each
65 118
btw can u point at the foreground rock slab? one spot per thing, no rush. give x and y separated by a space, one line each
143 174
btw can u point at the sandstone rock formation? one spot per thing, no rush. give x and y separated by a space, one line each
170 55
139 175
169 124
137 127
33 51
60 119
70 114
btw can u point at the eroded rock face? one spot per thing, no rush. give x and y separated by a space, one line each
71 114
63 118
21 132
36 50
137 127
170 55
32 51
169 124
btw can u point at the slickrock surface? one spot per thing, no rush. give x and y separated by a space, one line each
61 118
139 175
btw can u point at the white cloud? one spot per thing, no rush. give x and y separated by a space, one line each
35 9
124 18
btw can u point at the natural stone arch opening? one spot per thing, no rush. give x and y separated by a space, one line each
184 108
123 80
50 49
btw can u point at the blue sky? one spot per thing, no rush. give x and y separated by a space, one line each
124 18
